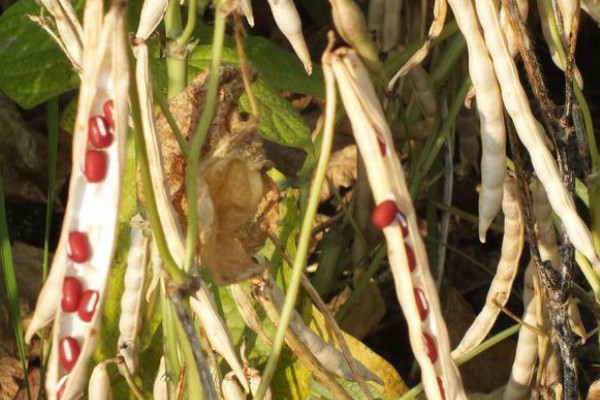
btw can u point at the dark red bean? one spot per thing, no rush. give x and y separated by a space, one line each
422 304
78 247
71 294
441 386
87 305
430 348
403 222
100 133
384 214
410 257
382 147
96 165
108 109
68 352
62 383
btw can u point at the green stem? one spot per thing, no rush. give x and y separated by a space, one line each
191 177
10 281
304 237
176 54
176 274
190 24
164 107
362 283
194 387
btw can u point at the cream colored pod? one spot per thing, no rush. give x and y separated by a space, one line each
133 293
86 246
153 12
395 215
99 386
288 21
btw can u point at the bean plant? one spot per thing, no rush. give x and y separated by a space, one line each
200 254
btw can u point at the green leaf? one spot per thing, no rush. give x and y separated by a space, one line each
282 69
33 68
279 121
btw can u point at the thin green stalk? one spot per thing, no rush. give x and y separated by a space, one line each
362 283
193 158
52 122
176 274
190 24
494 340
462 254
436 142
12 291
176 54
164 107
170 347
137 392
304 237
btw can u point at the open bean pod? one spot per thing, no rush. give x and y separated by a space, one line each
395 215
82 261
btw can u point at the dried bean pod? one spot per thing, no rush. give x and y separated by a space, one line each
387 181
391 25
526 354
330 357
152 13
218 335
547 33
523 6
501 286
548 246
491 115
104 76
132 299
246 6
160 391
288 21
99 386
530 134
231 388
254 378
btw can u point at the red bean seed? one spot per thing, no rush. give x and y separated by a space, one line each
430 348
441 386
410 257
403 222
422 304
96 165
62 383
382 148
100 133
68 352
384 214
78 247
87 305
71 294
108 109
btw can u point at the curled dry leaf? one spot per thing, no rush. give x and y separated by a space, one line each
237 200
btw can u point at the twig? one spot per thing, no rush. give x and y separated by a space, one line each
241 49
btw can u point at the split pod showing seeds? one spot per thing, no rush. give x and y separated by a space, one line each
87 241
428 335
